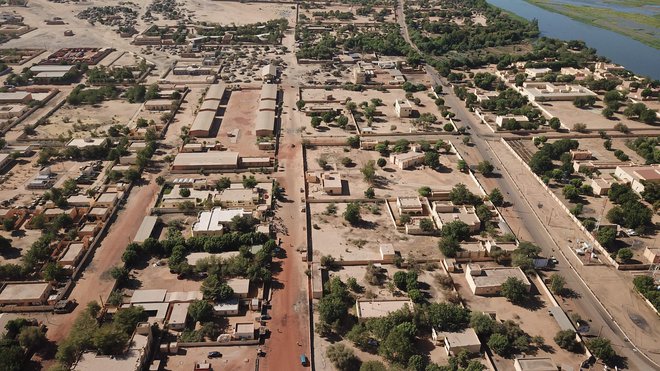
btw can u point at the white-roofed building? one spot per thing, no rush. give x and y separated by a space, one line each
213 223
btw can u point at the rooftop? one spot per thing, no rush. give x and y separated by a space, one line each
535 364
409 202
27 291
459 339
148 296
213 220
493 277
178 314
380 308
210 158
85 142
239 285
146 228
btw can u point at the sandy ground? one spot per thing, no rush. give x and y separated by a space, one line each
95 283
233 358
239 13
613 288
237 129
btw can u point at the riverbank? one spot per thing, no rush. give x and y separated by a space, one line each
641 27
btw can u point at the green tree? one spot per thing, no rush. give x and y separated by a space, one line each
398 345
369 172
184 192
31 337
624 254
602 349
381 162
485 168
482 323
606 236
566 339
213 289
461 165
342 357
514 290
249 182
352 213
110 339
456 230
448 316
499 344
424 191
557 283
449 246
373 366
426 225
200 311
370 193
496 197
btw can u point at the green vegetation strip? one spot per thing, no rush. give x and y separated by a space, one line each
634 25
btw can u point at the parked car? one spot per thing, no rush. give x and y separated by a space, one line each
215 354
303 360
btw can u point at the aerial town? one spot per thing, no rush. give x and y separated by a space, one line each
237 185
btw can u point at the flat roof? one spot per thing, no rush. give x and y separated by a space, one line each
231 304
98 211
159 308
536 364
14 95
51 68
194 257
158 102
183 296
463 338
496 276
107 197
210 105
72 251
79 199
146 228
85 142
409 202
332 180
148 296
24 291
237 195
244 327
267 105
408 155
239 285
210 158
90 361
212 220
178 314
380 308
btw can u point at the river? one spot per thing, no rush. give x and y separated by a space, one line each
635 56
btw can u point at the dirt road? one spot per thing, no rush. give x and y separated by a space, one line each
95 282
290 304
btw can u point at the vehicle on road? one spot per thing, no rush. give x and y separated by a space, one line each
215 354
303 360
64 306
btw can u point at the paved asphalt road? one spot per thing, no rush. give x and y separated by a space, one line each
586 303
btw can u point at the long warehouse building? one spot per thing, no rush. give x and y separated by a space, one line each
201 127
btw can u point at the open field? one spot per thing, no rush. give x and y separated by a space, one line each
569 115
237 129
239 13
233 358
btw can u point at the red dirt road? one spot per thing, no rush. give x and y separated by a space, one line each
95 283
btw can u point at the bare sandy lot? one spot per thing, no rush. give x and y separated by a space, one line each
533 319
85 120
233 358
225 12
569 115
390 180
386 120
335 237
237 129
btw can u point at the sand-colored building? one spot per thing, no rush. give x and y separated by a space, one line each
456 342
208 161
447 212
25 293
409 205
488 281
366 309
214 222
636 176
407 160
403 108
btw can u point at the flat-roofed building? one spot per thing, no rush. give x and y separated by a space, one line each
241 287
148 296
332 183
107 199
545 92
72 254
317 281
5 159
213 223
600 186
16 97
98 213
407 160
89 229
534 364
537 72
178 316
500 121
247 199
267 105
146 228
25 293
133 359
488 281
580 154
52 213
636 176
203 123
159 105
86 142
11 111
244 331
444 213
403 108
409 205
367 309
387 252
209 161
183 296
456 342
80 201
229 307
